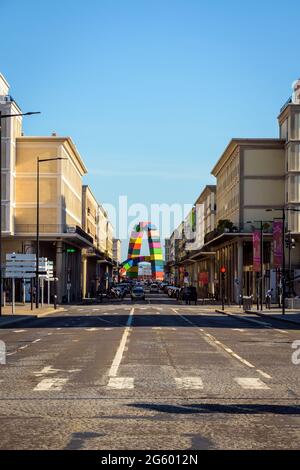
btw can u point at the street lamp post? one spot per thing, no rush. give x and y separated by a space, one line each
37 284
283 256
283 262
290 244
261 289
5 116
283 218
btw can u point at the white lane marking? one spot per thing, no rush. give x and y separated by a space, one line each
157 313
218 343
91 329
95 309
58 328
12 353
19 331
36 340
50 384
121 383
238 329
119 354
50 370
156 328
251 383
46 370
192 383
107 329
264 374
24 347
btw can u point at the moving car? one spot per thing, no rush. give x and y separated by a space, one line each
154 288
138 293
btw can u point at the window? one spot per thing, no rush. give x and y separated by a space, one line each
293 188
294 157
295 126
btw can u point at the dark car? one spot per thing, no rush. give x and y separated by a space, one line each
137 293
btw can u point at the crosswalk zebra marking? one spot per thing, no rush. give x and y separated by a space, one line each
251 383
50 384
120 383
191 383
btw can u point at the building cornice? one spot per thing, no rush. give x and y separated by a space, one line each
209 188
240 142
67 142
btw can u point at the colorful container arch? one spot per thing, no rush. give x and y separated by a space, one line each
134 250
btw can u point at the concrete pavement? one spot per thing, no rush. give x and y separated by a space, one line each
24 312
151 375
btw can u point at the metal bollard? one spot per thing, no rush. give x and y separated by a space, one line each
55 301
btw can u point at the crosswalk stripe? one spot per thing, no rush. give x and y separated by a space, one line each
191 383
251 383
50 384
121 383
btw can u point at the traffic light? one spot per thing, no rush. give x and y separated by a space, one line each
290 242
71 250
223 271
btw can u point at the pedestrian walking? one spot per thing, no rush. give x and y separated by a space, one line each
268 298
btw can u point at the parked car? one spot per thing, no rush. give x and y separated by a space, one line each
138 293
172 291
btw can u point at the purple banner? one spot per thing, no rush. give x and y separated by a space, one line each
277 243
256 250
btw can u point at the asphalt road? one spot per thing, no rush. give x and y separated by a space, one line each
150 375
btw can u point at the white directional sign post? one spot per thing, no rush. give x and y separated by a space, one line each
23 266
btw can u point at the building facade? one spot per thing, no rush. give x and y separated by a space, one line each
96 260
72 225
255 180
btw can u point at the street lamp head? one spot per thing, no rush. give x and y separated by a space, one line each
50 159
30 113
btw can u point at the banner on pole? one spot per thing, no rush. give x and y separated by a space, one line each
277 243
256 250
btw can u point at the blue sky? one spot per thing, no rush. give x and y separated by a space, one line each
150 91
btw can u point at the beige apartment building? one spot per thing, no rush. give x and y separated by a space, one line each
72 224
117 256
255 179
200 263
250 178
96 260
61 235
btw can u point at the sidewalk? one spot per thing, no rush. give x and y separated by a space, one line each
291 315
24 312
